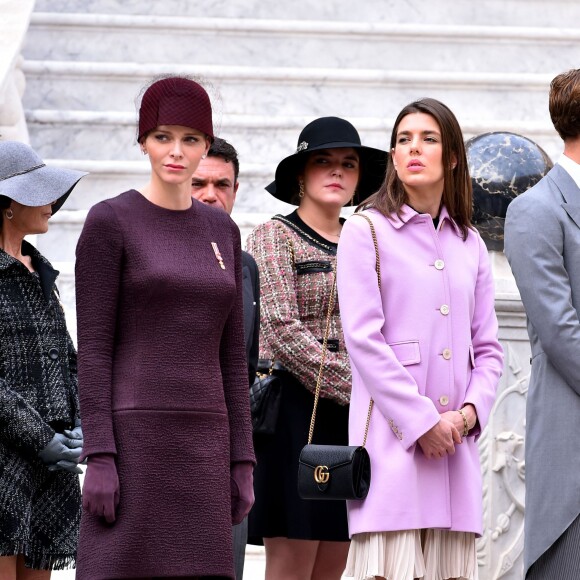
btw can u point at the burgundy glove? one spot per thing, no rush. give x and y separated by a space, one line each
101 486
242 486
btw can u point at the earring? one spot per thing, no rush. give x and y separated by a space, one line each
301 189
144 151
9 214
352 198
204 156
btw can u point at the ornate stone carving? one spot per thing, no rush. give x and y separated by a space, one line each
500 549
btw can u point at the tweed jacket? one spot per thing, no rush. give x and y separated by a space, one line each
38 364
542 244
297 269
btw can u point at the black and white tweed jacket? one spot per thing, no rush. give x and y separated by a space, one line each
38 384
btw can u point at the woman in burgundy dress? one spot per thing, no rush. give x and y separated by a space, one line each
162 370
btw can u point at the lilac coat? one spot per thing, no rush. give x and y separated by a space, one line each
426 344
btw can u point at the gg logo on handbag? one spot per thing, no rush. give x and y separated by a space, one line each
321 474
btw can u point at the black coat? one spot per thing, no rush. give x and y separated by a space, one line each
39 509
38 383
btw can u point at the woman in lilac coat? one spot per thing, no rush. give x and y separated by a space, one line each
424 347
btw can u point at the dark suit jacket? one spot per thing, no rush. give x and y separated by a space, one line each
251 312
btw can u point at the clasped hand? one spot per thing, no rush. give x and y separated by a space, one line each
63 451
440 440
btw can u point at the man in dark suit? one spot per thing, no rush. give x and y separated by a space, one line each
215 182
542 243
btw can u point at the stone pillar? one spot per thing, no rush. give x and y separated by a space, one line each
500 550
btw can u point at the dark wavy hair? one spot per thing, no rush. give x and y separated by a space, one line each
457 192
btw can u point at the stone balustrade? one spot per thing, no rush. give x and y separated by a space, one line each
15 16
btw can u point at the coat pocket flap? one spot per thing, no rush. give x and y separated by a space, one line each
407 352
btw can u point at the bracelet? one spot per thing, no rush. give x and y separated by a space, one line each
465 424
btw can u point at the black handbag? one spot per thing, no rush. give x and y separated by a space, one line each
335 471
265 396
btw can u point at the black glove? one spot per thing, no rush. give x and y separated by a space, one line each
76 433
63 465
61 448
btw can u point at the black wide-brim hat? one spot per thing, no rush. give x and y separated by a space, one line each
329 133
26 179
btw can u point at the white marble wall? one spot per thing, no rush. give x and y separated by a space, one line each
489 12
273 71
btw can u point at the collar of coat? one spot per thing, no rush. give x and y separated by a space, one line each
409 215
46 272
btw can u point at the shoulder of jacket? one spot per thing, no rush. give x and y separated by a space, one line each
272 228
539 198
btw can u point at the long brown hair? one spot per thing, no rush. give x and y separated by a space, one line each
457 193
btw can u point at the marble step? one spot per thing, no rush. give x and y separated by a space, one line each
483 12
291 91
273 43
73 134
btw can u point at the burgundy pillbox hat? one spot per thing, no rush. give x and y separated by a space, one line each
175 101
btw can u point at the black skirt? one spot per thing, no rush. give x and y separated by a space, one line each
278 510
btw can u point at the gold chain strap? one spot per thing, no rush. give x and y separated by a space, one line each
322 357
327 331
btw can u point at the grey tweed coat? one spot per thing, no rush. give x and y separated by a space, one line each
39 509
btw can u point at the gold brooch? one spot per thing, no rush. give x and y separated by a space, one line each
218 255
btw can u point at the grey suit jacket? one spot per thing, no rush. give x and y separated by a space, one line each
542 244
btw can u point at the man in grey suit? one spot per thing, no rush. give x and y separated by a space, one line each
215 182
542 244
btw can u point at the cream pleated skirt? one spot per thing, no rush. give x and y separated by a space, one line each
406 555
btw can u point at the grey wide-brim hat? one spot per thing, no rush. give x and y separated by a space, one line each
26 179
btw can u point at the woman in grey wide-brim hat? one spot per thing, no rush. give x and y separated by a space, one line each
296 257
40 433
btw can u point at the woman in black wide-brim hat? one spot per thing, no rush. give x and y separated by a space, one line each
40 434
296 256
